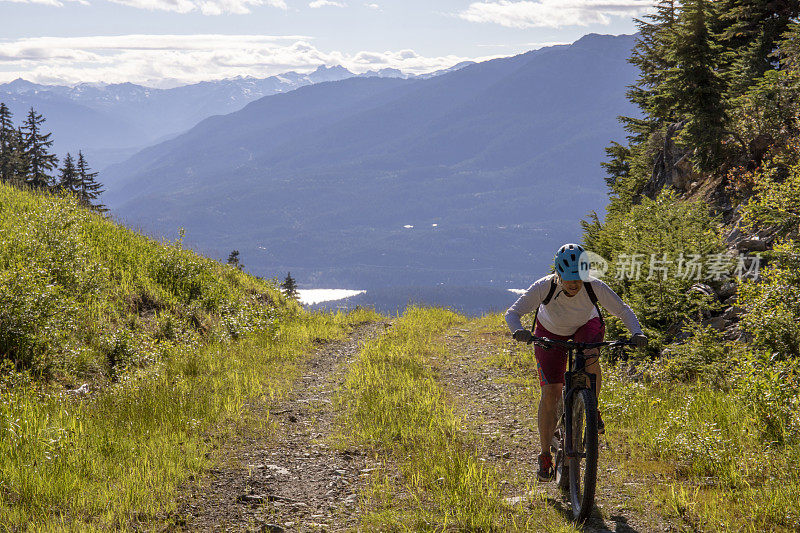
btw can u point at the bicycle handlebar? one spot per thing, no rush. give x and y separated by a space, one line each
547 343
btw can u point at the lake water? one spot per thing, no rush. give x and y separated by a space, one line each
315 296
471 301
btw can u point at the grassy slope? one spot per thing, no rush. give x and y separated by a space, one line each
115 458
172 345
722 473
82 298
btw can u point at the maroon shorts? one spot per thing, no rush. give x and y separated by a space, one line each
552 363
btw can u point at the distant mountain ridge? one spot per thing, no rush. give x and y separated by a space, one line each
110 122
470 177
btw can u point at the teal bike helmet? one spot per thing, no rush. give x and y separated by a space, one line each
568 262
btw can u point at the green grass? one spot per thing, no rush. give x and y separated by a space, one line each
724 475
394 404
172 345
518 360
719 454
114 459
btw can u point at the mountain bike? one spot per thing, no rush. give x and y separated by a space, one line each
575 443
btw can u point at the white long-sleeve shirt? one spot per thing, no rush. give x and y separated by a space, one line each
563 315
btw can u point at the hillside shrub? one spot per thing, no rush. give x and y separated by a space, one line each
34 318
661 230
776 191
769 109
773 301
704 358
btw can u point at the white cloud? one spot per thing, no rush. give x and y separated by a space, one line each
526 46
373 6
206 7
323 3
406 60
536 46
168 60
552 13
54 3
237 7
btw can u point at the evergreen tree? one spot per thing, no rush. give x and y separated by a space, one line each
20 164
789 48
8 146
89 189
749 31
39 161
233 260
651 55
694 88
68 179
289 287
619 167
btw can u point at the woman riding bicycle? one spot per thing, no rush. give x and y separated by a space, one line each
566 308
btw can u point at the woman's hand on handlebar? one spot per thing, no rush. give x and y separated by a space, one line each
639 339
523 335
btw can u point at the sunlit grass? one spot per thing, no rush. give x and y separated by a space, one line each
702 453
723 475
114 460
395 404
170 346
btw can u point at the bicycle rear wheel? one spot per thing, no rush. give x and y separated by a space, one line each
583 462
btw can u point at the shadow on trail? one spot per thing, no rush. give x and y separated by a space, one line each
562 508
622 524
595 523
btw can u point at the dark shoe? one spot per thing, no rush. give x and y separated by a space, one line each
545 467
601 426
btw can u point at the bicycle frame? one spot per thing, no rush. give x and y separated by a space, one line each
576 375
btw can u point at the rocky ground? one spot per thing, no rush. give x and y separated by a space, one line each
292 477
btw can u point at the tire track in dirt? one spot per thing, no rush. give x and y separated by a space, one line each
503 410
292 478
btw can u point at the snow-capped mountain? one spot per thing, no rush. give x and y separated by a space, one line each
110 122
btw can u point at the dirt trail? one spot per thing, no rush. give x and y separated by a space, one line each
291 479
505 414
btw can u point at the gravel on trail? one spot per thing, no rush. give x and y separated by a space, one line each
291 478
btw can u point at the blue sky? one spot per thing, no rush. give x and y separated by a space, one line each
169 42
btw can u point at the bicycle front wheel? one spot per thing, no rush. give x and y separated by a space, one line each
582 460
557 451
